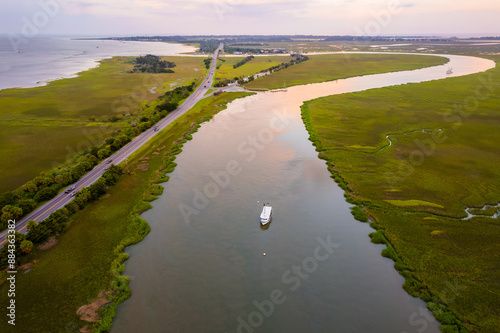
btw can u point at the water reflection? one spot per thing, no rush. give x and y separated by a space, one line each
265 226
207 272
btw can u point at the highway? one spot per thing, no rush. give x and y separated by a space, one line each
92 176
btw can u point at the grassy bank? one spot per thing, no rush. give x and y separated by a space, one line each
443 158
321 68
252 67
469 47
59 283
74 114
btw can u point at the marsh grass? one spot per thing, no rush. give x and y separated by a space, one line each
89 257
47 125
255 66
448 262
330 67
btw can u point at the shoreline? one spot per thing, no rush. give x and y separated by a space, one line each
96 62
81 62
138 203
159 177
385 233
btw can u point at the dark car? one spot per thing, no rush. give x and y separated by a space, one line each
109 161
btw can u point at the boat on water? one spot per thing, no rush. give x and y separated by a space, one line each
266 215
449 71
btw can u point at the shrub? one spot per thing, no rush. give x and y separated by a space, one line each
377 237
358 214
26 246
44 194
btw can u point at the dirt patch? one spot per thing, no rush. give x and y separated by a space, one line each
142 167
25 266
50 243
85 329
89 312
155 153
161 148
145 159
107 195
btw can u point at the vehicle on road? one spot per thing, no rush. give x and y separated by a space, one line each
52 205
69 189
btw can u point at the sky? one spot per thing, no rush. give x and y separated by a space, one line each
262 17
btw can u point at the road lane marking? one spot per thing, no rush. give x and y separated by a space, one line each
140 140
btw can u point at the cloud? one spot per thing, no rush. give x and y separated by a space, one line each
254 16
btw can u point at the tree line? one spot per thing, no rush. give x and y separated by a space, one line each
38 233
152 64
171 99
297 58
244 61
23 200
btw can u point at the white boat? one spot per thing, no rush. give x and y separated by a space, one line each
266 215
449 71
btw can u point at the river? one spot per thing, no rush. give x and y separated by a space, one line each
203 269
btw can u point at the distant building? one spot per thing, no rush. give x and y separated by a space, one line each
280 50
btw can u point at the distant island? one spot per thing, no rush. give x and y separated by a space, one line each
152 64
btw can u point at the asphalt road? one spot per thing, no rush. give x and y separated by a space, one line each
62 198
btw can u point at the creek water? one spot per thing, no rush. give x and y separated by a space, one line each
202 268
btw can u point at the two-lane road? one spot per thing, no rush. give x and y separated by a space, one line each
92 176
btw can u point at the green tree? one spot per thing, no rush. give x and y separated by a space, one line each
84 195
66 178
10 213
91 158
94 151
31 187
86 165
31 225
98 188
44 194
116 145
26 246
48 180
27 205
111 175
59 179
7 198
103 153
77 172
39 181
